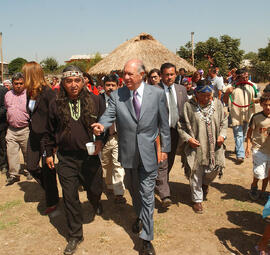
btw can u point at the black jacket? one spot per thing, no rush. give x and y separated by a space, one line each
3 110
39 116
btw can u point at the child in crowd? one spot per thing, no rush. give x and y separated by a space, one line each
187 82
258 136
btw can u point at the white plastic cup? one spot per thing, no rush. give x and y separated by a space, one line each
91 147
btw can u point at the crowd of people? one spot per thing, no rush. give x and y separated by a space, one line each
137 123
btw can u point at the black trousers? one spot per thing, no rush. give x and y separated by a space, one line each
77 168
45 176
3 149
162 183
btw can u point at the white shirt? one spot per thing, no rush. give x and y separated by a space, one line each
139 93
166 90
31 105
106 99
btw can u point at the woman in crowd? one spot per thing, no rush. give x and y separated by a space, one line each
203 131
39 95
88 82
195 78
154 77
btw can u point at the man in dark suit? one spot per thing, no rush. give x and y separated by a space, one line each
176 96
140 113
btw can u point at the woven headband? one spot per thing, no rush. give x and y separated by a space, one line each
72 73
204 89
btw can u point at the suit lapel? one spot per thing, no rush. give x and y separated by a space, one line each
146 99
179 96
128 102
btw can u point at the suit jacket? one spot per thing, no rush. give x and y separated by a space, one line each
137 138
3 110
39 116
182 97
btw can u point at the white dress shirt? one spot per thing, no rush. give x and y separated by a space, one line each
167 96
139 94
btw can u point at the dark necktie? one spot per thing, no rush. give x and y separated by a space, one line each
173 108
136 104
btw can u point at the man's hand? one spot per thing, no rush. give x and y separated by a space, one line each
49 162
97 128
194 143
220 140
163 156
98 144
247 151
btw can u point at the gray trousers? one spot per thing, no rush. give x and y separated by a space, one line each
141 185
16 139
197 179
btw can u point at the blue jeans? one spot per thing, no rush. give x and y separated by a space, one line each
239 133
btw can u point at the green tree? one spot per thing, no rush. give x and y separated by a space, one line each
251 56
84 65
223 52
16 65
49 64
264 53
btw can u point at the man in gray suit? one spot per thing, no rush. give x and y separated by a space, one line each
176 96
140 113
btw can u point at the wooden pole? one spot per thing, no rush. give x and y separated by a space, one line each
192 47
2 63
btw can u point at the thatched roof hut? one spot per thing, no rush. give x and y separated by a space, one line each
144 47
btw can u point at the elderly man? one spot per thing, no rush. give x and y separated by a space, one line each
7 84
18 130
71 114
176 96
140 113
114 172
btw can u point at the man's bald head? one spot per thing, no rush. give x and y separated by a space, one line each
134 72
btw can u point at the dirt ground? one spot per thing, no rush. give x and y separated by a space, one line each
231 223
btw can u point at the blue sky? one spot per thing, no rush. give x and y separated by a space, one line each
36 29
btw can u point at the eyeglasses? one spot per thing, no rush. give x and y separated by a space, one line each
76 80
18 83
153 77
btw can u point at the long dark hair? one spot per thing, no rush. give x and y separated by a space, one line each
88 110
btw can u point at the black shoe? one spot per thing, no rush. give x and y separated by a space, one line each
148 248
166 202
12 179
137 226
98 209
72 246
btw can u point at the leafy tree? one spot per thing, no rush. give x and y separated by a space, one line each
49 64
85 65
251 56
16 65
264 53
223 52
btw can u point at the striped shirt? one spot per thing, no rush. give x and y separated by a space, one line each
17 115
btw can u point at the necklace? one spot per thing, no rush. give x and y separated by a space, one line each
206 113
75 109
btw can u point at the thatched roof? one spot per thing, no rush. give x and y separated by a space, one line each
144 47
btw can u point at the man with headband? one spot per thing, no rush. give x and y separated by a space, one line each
69 128
204 132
